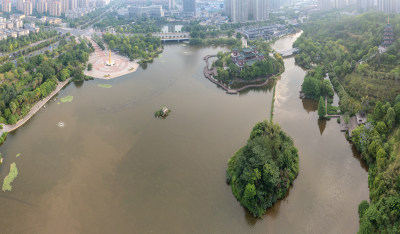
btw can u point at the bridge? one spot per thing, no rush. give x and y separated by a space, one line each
182 36
289 52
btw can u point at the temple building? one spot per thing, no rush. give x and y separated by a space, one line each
388 35
247 56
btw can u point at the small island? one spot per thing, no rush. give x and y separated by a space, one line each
249 65
261 172
162 113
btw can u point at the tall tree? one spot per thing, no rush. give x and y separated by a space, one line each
321 108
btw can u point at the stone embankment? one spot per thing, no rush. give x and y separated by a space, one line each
34 109
210 73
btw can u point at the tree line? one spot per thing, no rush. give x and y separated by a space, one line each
35 78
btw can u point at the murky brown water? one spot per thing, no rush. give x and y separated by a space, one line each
113 168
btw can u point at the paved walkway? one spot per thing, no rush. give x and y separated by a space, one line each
34 109
99 58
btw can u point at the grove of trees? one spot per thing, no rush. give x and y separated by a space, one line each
262 172
36 77
136 46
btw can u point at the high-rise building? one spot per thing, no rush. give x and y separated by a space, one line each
41 6
20 5
274 4
55 9
28 7
83 3
244 10
189 6
227 5
340 3
171 4
6 6
73 4
324 5
258 10
64 5
389 6
365 5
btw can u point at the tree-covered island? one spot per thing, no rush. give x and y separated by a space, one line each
247 65
262 172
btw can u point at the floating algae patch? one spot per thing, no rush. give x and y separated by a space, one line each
67 99
18 155
107 86
10 177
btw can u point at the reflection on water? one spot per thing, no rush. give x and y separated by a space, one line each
116 169
321 125
309 105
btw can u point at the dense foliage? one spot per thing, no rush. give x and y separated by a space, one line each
228 71
126 25
37 77
201 31
379 144
321 108
143 47
214 41
12 44
261 172
347 48
315 86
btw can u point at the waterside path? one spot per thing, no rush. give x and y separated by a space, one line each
35 108
209 74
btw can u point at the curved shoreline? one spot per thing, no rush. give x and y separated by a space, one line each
209 75
35 108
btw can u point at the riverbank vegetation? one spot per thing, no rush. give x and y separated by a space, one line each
347 48
262 172
365 79
215 41
35 78
10 177
144 47
3 137
228 72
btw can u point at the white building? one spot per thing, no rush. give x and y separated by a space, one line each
154 11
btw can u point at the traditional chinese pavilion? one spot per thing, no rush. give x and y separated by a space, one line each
388 35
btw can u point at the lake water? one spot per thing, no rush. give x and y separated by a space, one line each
114 168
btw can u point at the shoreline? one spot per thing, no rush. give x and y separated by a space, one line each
209 75
34 109
99 57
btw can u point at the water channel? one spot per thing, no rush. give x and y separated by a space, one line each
113 168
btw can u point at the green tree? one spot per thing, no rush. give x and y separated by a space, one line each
381 159
364 205
261 172
238 35
321 108
390 118
90 67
